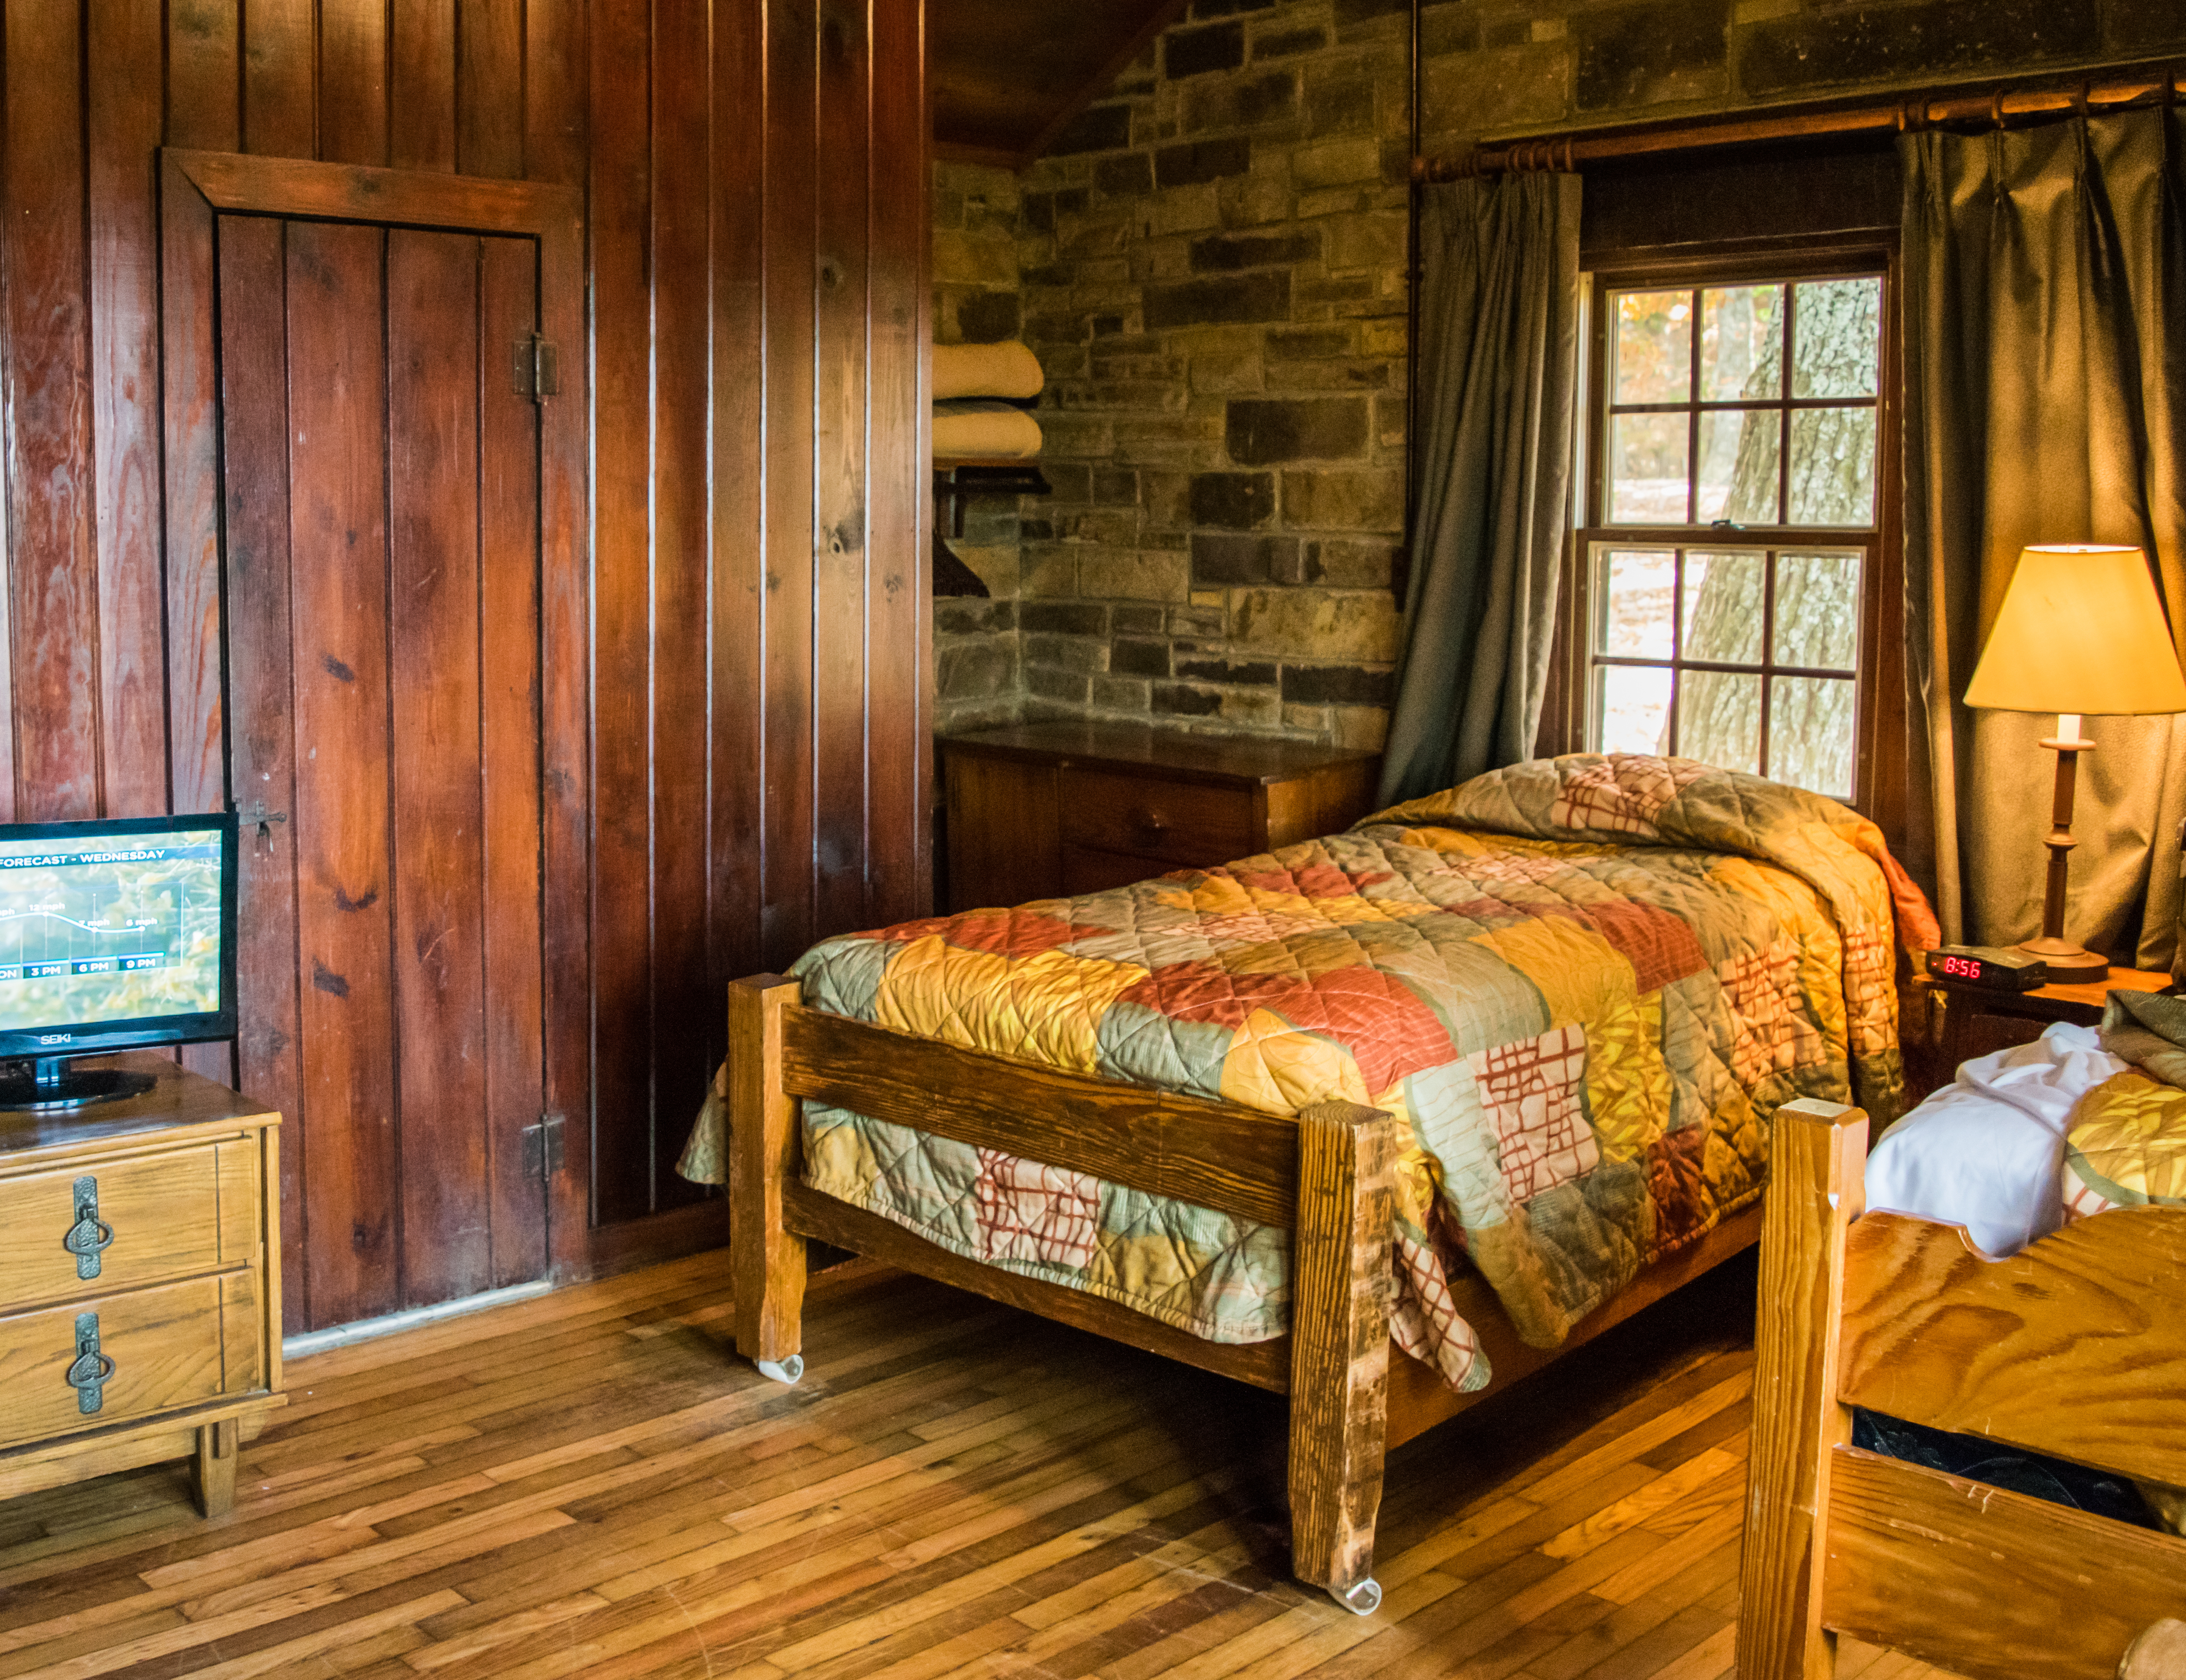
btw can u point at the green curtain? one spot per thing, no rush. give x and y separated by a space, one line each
2044 328
1498 323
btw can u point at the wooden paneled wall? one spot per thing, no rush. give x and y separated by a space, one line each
755 172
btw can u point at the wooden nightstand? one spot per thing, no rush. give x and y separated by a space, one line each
1043 811
1966 1022
140 1286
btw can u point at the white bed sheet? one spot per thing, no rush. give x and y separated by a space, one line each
1987 1151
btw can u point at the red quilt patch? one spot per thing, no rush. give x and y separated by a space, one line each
1013 933
1388 1031
1316 880
1660 948
1678 1187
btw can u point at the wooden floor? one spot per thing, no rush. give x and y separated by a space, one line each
590 1483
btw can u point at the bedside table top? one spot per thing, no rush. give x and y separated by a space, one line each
2081 1005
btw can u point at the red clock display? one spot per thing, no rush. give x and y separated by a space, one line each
1992 971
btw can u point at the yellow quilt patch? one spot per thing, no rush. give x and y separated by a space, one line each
1628 1082
1274 1066
1579 974
2128 1141
1046 1008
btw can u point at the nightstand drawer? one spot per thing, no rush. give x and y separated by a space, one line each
1177 822
122 1357
110 1224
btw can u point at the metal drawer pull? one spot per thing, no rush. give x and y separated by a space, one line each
90 1369
90 1234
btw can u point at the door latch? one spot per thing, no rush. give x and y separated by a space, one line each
264 819
542 1147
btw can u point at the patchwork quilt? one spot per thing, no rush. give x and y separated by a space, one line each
2124 1144
1583 983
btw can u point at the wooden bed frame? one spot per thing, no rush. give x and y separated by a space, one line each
1325 1176
2076 1347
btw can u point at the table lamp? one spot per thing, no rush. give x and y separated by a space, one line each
2081 632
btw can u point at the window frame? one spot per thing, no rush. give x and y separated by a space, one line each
1879 705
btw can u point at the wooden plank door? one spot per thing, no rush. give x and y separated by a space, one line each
379 484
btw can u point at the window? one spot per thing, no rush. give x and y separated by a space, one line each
1730 547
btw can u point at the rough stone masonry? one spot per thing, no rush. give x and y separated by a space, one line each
1210 264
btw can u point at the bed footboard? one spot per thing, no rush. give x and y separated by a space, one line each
1326 1176
2075 1346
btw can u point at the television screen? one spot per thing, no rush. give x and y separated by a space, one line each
114 933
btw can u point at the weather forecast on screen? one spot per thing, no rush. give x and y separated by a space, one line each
100 929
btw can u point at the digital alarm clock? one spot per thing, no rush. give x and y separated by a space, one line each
1988 967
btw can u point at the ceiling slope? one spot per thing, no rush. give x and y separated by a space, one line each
1007 76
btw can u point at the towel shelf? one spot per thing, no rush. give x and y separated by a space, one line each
957 478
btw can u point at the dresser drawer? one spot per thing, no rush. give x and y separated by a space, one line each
157 1349
1176 822
154 1217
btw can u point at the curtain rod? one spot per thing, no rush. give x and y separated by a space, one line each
1568 151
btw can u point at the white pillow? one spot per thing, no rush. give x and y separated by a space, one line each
1986 1152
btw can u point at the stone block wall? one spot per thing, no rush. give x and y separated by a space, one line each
1213 266
977 674
1211 263
1502 68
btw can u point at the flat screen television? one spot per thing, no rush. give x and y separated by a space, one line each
113 934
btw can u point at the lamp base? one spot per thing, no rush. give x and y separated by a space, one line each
2067 963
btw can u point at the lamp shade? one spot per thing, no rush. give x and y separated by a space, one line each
2080 630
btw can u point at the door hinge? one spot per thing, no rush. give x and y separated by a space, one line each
535 368
542 1147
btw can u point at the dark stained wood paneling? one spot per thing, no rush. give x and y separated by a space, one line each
421 84
123 131
840 641
556 113
338 611
254 376
509 726
789 472
737 394
280 110
899 730
625 1167
490 87
437 880
204 44
52 569
688 1027
353 81
690 772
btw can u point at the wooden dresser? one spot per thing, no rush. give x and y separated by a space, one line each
1042 810
140 1288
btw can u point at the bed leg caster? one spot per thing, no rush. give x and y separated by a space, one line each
1362 1598
787 1371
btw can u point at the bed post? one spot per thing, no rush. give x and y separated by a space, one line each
1340 1288
1817 1159
766 1263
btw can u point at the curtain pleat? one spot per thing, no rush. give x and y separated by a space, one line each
2044 323
1499 321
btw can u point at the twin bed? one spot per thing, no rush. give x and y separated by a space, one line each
1385 1121
2075 1346
1380 1122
